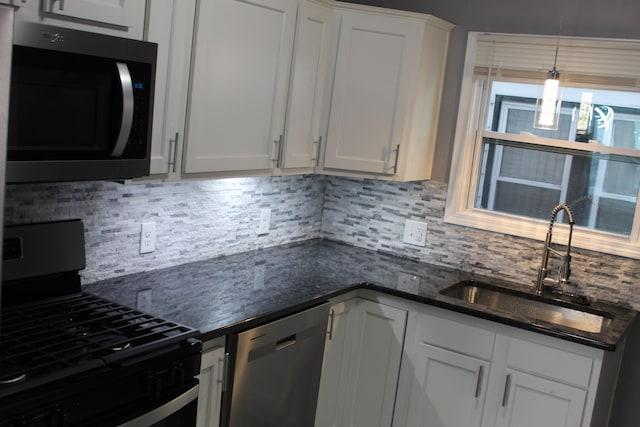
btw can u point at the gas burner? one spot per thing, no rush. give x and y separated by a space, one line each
113 341
8 380
11 371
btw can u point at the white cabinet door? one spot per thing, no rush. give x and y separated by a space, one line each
120 18
386 93
464 371
123 13
375 60
210 393
240 76
360 373
170 25
309 70
448 389
531 401
337 351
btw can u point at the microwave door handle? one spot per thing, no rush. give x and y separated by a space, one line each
127 109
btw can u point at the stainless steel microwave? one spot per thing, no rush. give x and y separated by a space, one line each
80 106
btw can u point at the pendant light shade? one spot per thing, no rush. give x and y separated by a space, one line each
548 105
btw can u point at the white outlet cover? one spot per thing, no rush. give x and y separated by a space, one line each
415 233
265 221
147 237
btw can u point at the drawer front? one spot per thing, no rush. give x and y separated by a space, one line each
453 335
559 365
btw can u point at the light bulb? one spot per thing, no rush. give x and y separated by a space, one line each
548 106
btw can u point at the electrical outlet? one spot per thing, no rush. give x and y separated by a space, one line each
408 282
415 233
147 237
265 221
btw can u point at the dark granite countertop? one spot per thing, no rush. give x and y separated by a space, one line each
232 293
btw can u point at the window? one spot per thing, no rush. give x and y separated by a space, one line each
508 174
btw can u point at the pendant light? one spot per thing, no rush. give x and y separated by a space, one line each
548 106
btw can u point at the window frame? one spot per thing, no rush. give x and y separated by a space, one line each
466 163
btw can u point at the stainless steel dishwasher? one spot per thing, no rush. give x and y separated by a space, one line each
275 372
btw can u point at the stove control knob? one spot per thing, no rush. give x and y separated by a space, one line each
177 373
61 417
22 422
154 384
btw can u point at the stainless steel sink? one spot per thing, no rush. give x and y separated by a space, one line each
555 311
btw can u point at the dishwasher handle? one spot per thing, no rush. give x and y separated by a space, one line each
286 342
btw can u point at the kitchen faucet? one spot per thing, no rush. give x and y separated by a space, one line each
564 271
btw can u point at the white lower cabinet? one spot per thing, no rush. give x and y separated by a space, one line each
461 371
361 364
210 395
531 401
448 389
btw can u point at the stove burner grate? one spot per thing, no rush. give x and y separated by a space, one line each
54 338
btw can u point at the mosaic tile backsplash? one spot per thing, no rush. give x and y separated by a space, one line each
196 220
371 214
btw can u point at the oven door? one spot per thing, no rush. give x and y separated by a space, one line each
180 411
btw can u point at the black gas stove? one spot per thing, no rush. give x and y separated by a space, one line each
69 358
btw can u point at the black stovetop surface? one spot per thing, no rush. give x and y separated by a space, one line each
57 338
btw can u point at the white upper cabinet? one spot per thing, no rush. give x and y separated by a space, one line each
260 90
389 68
123 18
302 140
114 12
239 82
170 25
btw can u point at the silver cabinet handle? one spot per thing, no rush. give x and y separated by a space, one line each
61 2
395 164
127 109
174 159
279 151
479 383
48 6
316 159
225 372
331 317
507 390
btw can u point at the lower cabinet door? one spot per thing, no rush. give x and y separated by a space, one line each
361 365
210 395
531 401
448 389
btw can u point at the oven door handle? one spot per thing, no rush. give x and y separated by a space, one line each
126 122
162 412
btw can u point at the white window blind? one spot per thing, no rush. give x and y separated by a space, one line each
599 62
